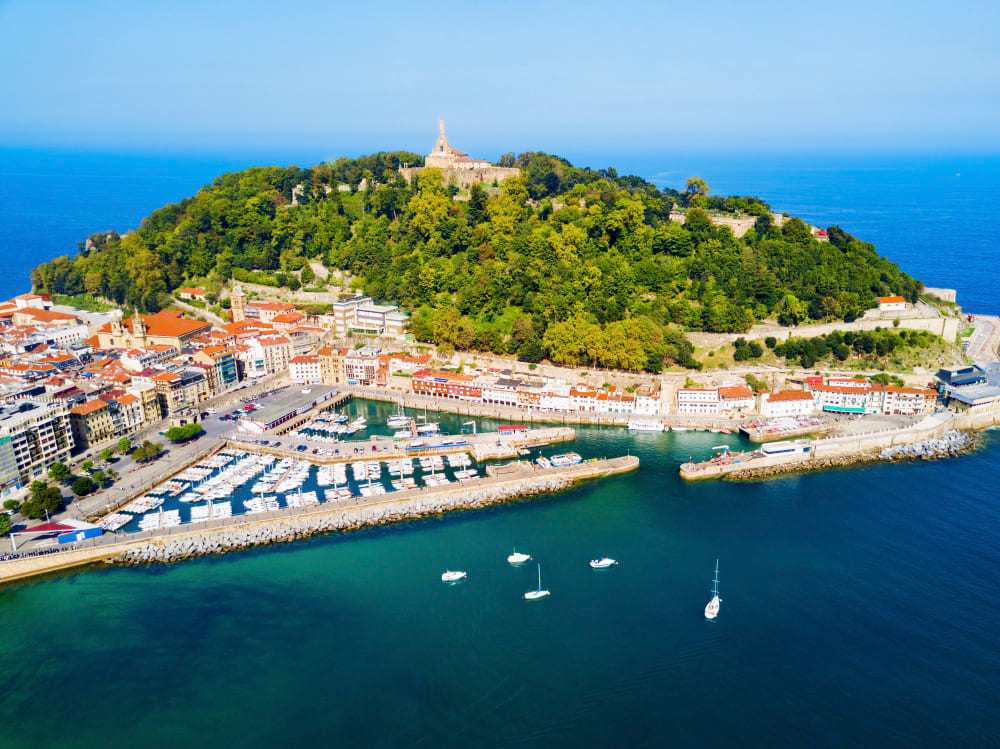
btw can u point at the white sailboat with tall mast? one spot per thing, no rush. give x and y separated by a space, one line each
531 595
712 607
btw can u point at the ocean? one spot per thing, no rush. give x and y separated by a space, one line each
929 213
858 608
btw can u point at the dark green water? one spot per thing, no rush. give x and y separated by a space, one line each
859 608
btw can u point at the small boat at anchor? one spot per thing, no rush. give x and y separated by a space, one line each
518 558
532 595
453 576
712 608
603 563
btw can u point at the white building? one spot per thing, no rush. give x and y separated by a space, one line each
736 400
849 399
891 303
33 436
361 313
699 401
787 403
304 369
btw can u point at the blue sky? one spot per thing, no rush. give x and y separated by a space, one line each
625 76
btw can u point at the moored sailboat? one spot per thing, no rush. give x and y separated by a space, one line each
712 608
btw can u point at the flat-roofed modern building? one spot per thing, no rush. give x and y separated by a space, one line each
33 436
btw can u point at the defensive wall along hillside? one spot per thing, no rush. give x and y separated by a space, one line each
289 524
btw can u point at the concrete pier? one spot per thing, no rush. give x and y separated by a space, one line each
287 524
842 451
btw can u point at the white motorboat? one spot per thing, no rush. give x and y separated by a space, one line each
603 563
639 425
518 558
453 576
532 595
712 608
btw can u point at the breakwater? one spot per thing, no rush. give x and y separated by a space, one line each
289 524
935 436
175 550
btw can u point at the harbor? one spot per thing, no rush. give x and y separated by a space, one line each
272 525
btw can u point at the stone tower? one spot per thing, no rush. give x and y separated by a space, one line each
237 303
138 330
117 329
442 145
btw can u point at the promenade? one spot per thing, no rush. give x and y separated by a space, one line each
292 523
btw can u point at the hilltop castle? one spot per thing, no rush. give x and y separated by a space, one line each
458 167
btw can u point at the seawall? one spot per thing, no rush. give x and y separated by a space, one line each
287 524
839 451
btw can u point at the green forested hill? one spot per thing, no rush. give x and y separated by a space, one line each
579 265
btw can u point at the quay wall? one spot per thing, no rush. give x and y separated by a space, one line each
832 451
484 448
289 524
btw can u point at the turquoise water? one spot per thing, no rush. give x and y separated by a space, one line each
858 608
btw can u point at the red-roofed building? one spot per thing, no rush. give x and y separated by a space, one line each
192 293
91 423
736 400
891 303
786 403
165 327
446 384
305 370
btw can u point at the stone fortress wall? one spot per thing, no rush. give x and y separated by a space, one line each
458 168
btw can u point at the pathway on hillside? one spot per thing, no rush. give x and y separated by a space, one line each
205 313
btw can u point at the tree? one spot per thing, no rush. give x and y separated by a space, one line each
107 454
184 433
59 472
696 188
307 276
86 465
83 485
5 524
124 445
100 478
42 498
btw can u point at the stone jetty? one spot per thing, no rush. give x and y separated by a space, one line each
952 443
289 524
938 435
170 550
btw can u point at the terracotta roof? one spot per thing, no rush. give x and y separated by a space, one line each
195 291
45 315
166 323
891 300
272 306
790 395
304 359
740 391
166 376
288 317
89 407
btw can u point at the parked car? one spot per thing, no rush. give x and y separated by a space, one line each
301 448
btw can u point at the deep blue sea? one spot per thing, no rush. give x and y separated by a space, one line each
859 606
930 213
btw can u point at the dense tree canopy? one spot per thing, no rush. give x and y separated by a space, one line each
580 265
